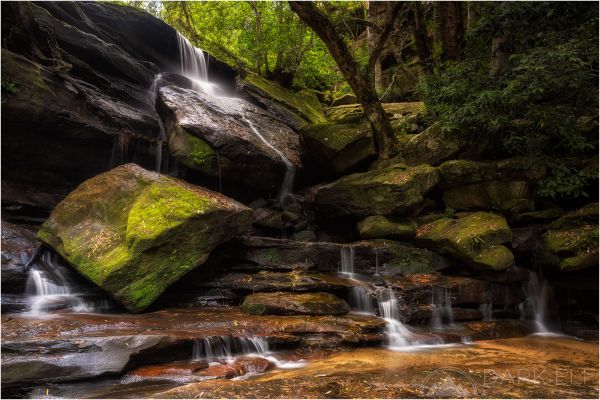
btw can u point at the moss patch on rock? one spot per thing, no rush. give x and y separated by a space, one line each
134 232
283 303
304 103
379 226
475 238
392 190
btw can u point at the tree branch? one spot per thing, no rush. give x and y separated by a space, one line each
383 36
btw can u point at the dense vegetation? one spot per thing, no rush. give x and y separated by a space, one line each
516 77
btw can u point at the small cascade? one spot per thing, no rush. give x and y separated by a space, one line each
223 349
486 311
361 300
537 292
347 261
441 307
194 66
153 91
398 334
290 171
50 286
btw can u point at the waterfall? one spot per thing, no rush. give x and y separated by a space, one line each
219 349
441 307
535 306
398 335
361 300
50 286
347 261
153 91
288 179
194 66
486 311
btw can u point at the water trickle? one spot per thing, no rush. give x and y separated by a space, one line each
347 261
219 171
441 307
290 171
51 286
361 300
162 137
535 306
486 311
194 66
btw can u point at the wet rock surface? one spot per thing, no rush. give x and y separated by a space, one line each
497 368
66 347
19 244
216 135
280 303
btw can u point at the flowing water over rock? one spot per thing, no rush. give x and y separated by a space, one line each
53 286
288 179
194 66
441 308
535 305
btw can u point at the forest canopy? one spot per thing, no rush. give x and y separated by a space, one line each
518 77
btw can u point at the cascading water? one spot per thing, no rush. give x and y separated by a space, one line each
486 311
153 91
222 349
347 261
441 307
194 66
398 335
535 306
290 171
50 286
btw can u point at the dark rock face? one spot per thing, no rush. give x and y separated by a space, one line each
82 103
18 246
218 135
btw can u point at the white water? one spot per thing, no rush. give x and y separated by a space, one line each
535 306
441 308
486 311
290 171
194 66
223 349
153 91
50 287
347 261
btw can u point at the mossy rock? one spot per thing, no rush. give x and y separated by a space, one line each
303 103
571 248
284 303
345 99
379 226
134 232
394 190
394 111
475 238
585 215
513 196
194 152
539 216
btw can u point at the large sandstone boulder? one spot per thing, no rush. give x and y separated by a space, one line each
135 232
18 247
283 303
393 190
228 137
475 238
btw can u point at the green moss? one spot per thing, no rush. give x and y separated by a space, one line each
571 241
305 104
379 226
193 151
473 237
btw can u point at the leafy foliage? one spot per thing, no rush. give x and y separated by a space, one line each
536 106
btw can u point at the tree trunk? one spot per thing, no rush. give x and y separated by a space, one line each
452 30
420 35
500 54
358 80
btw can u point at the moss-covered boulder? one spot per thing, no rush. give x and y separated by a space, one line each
513 196
284 303
379 226
475 238
571 243
345 141
429 147
345 99
295 109
134 232
393 190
